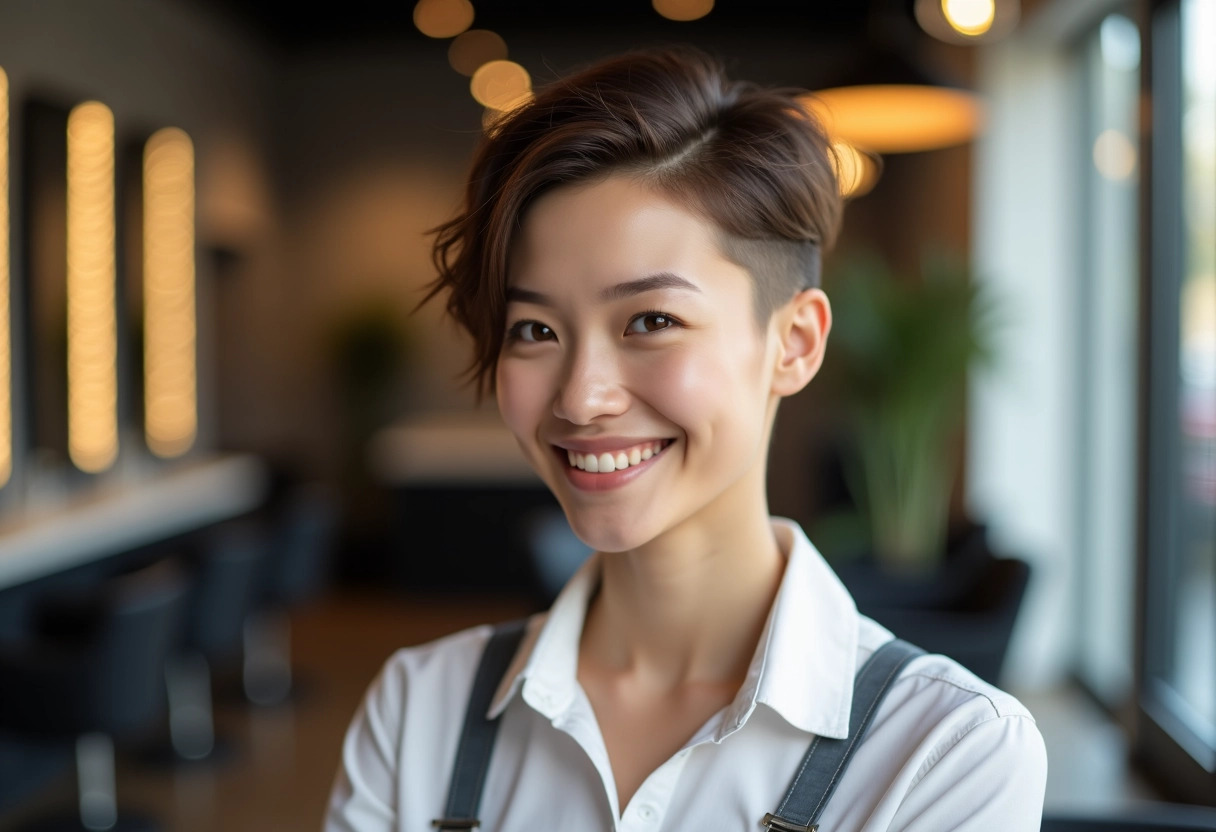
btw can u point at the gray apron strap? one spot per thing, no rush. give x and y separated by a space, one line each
826 759
478 735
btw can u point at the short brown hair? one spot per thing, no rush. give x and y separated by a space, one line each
750 159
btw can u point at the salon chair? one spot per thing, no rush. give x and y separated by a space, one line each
1144 817
224 571
301 529
92 674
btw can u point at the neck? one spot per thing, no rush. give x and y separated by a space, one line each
689 606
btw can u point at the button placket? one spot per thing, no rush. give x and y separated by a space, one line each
649 806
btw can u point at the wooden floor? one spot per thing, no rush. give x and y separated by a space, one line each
283 758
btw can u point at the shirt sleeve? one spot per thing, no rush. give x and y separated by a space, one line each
364 795
992 779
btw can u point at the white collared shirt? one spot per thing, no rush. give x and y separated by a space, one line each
946 751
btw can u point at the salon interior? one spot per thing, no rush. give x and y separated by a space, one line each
240 464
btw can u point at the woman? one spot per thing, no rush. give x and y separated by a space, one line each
638 264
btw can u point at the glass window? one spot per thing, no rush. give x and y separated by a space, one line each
1191 671
1178 696
1108 349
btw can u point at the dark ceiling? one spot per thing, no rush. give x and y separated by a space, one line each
290 24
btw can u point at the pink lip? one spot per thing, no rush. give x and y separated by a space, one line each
586 481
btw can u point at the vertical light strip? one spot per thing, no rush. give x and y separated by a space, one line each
6 356
170 386
92 322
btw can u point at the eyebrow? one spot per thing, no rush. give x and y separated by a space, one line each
650 283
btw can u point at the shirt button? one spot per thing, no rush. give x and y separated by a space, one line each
648 812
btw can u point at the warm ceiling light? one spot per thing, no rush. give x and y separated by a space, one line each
969 17
476 47
683 10
1114 155
897 118
857 171
170 388
501 85
6 358
443 18
967 21
92 321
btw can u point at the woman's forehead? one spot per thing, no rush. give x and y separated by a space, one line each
591 237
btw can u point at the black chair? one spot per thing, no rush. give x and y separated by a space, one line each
1143 817
225 570
93 673
967 614
302 528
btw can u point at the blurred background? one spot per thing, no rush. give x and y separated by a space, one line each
239 465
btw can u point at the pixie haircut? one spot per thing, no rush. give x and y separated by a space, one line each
748 159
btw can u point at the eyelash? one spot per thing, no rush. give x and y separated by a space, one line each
654 313
515 332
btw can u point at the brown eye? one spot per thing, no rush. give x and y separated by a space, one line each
649 322
532 332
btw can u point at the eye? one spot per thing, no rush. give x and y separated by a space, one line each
650 322
530 332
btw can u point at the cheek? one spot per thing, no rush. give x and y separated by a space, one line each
522 393
708 394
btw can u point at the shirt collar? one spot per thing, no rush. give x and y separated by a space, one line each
802 669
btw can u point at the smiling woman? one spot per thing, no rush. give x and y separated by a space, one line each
638 264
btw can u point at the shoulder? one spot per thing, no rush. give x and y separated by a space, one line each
944 711
421 693
442 668
942 680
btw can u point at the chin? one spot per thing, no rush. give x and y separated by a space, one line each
606 535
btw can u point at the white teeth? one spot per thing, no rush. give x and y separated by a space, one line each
606 463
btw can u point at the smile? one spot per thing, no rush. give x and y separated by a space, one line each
610 461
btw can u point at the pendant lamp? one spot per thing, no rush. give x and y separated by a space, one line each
886 103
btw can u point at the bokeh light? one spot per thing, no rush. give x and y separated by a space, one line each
1114 155
170 387
501 85
896 118
92 321
969 17
443 18
857 171
475 48
683 10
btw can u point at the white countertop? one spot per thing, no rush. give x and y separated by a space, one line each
125 514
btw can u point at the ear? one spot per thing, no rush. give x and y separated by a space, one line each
802 329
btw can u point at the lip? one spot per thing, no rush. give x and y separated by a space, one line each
587 481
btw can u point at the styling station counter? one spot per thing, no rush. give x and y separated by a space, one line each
126 514
463 501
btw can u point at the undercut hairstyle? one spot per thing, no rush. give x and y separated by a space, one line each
749 159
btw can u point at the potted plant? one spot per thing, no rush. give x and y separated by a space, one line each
369 350
901 350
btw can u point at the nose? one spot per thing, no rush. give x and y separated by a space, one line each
590 388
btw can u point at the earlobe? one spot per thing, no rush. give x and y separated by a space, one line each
803 326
